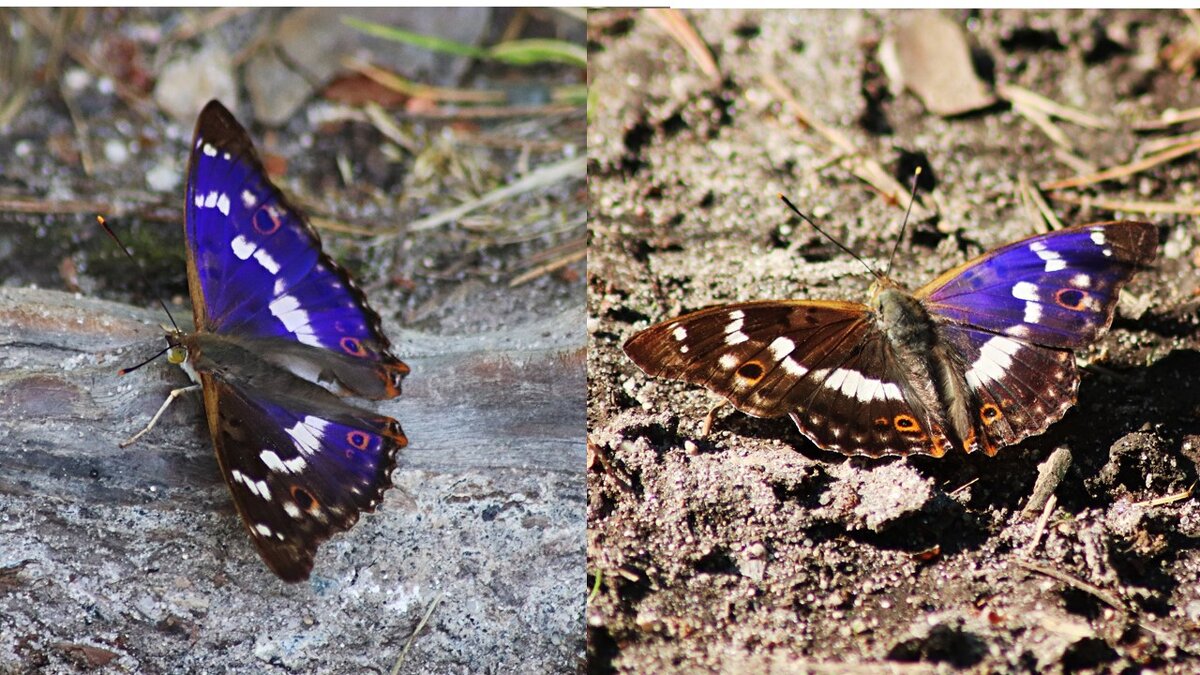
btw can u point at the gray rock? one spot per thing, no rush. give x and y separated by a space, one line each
135 557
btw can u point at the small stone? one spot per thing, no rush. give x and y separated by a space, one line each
115 151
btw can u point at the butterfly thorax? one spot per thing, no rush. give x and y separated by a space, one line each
915 340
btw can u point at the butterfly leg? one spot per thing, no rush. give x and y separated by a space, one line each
711 417
154 420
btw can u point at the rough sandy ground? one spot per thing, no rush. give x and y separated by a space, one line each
750 548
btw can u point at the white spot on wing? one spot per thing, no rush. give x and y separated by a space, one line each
241 248
266 261
1033 312
287 309
248 199
737 314
263 530
307 434
680 333
728 361
1023 290
736 338
210 200
210 150
292 509
854 384
223 204
274 463
1098 237
793 367
1054 261
781 347
1081 281
995 358
734 326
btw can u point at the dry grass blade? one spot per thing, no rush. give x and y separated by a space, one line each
205 23
1043 122
1091 589
867 169
1034 198
420 625
674 22
1169 499
1158 145
396 83
386 126
568 169
492 112
1169 119
561 256
1127 206
1024 97
1123 170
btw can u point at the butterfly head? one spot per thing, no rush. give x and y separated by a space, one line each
177 351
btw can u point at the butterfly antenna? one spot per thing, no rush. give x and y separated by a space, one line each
904 225
124 371
829 236
141 275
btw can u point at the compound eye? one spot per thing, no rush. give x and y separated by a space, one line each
176 355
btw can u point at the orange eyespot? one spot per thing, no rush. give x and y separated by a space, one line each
751 371
990 413
1071 298
906 424
353 346
304 499
269 224
358 439
882 423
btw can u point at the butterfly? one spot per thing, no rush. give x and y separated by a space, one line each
281 335
977 359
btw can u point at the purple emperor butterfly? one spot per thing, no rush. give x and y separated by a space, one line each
282 334
977 359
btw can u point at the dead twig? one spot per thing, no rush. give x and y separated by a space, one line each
676 24
866 169
576 250
1128 206
1050 475
1124 170
1040 527
1091 589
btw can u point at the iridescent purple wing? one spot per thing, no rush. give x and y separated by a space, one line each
255 266
1057 289
1014 315
301 466
281 333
